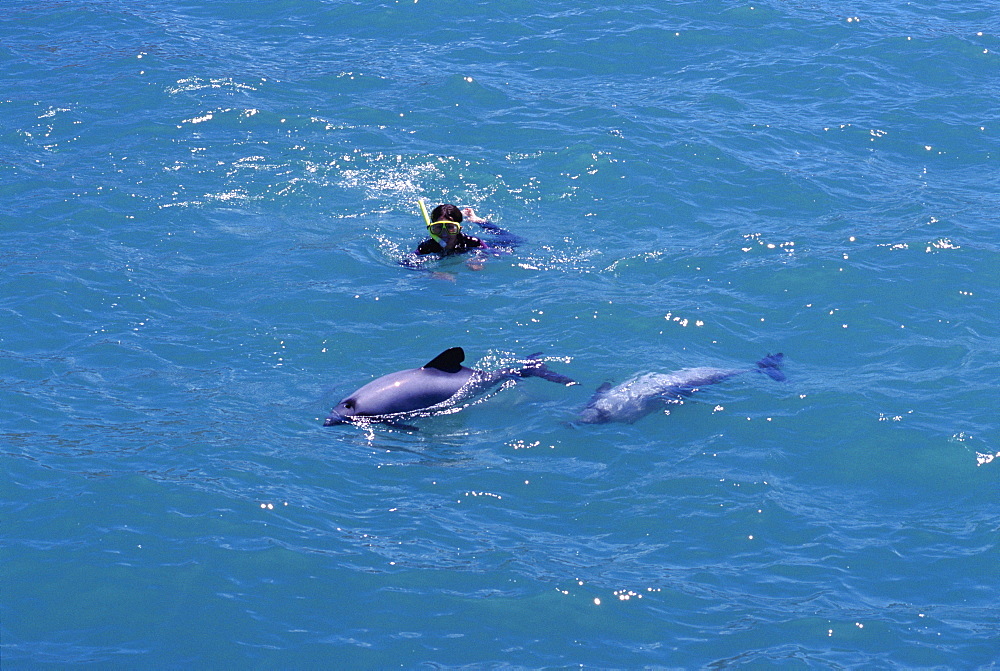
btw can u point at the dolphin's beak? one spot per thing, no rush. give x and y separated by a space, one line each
335 419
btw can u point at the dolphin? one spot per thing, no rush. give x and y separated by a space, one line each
645 393
437 381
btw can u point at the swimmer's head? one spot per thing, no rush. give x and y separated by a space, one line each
444 225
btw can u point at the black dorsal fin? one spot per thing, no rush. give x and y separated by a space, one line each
449 361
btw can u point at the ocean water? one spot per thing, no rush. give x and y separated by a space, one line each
203 207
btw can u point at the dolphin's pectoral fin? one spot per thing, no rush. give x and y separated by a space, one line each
448 361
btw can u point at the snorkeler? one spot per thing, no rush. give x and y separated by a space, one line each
445 227
444 224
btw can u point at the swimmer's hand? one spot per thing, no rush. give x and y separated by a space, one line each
469 215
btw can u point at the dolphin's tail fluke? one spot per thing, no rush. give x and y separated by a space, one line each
535 367
769 366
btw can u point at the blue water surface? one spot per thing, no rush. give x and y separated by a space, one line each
203 209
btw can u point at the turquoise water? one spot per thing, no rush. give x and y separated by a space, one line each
203 209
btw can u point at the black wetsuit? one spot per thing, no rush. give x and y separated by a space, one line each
464 244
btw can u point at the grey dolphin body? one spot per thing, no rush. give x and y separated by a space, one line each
645 393
438 380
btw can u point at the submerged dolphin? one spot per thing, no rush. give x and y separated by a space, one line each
642 394
437 381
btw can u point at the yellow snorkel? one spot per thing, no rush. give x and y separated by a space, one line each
423 211
427 221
